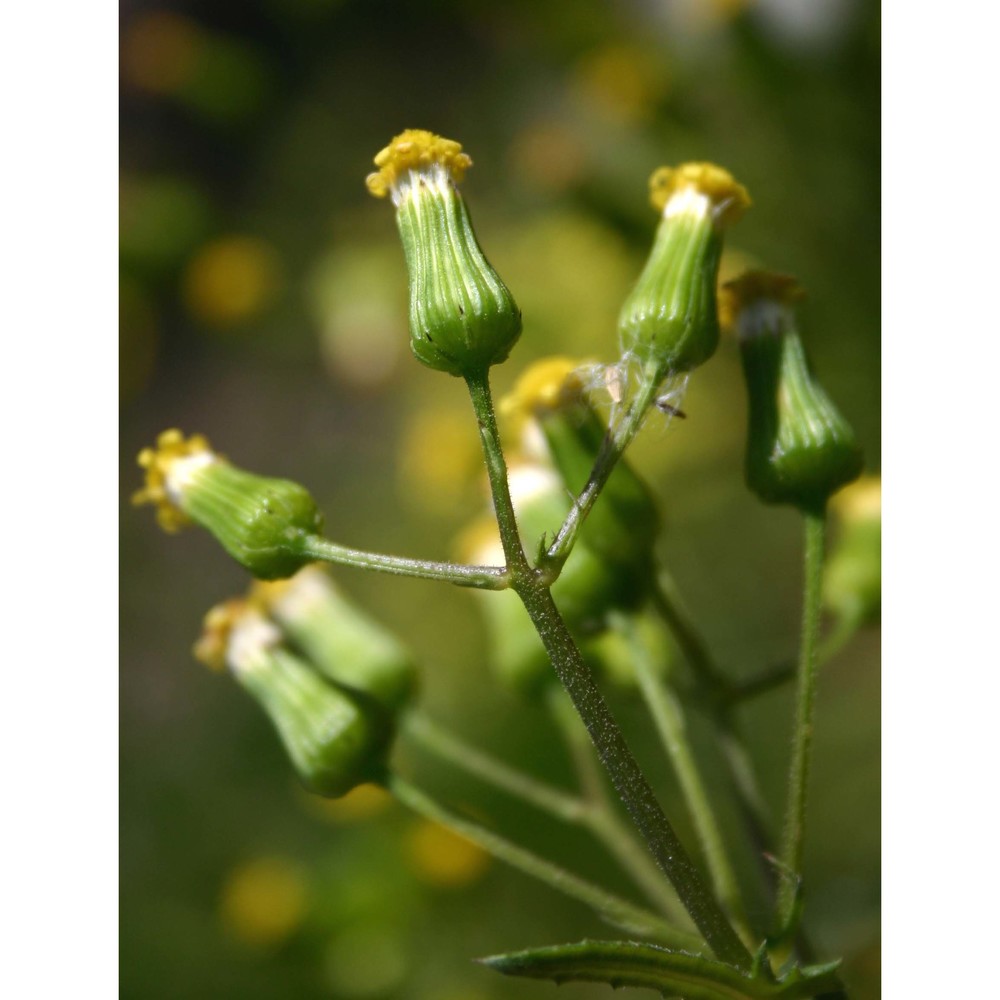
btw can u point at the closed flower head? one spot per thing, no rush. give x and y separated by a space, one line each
261 522
334 741
800 450
669 319
463 319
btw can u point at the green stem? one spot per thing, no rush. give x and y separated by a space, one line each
629 781
481 577
613 447
578 746
629 917
445 745
600 815
668 715
622 767
496 466
805 705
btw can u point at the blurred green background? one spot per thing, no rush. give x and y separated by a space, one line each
263 303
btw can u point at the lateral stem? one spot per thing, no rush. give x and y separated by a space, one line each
480 577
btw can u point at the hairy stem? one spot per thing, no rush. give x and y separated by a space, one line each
481 577
620 912
805 707
629 781
622 767
601 817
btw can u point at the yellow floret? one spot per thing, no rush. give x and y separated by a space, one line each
170 446
412 150
217 627
753 287
728 197
545 385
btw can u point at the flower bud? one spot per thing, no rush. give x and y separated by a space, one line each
334 743
800 450
341 641
551 396
462 317
852 578
669 320
260 522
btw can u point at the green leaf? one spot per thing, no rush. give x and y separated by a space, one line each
673 973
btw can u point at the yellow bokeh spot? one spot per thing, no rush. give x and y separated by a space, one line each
860 502
171 445
263 901
729 198
362 803
442 858
438 457
415 149
231 280
160 51
622 81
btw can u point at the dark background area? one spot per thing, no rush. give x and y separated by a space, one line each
263 303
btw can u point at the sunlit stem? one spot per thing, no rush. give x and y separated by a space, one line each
615 443
481 577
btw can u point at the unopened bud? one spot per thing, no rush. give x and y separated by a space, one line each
852 578
333 742
551 395
669 320
339 639
800 450
463 319
261 522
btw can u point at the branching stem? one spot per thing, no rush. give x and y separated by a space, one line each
620 912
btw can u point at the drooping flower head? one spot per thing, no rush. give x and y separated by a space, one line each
260 521
334 740
463 319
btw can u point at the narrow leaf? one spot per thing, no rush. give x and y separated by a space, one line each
673 973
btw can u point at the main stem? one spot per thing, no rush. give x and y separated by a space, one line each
805 704
622 767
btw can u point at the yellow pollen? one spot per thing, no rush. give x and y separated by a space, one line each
729 198
752 287
415 149
170 446
545 385
217 626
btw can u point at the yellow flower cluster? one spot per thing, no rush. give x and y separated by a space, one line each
729 199
171 446
412 150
